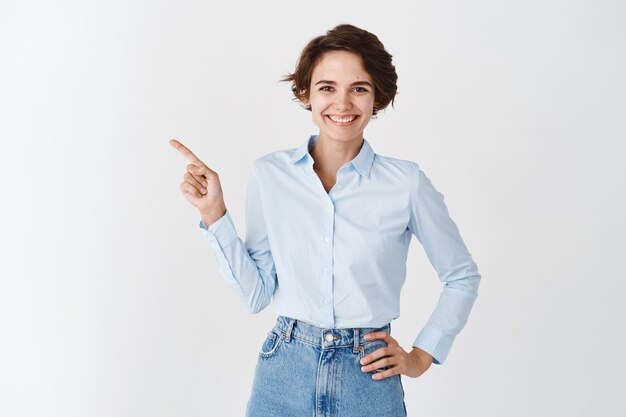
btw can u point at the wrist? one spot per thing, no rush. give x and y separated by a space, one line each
422 355
214 214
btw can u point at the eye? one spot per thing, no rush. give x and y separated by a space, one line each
360 89
325 88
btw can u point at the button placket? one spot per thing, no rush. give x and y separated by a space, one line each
326 267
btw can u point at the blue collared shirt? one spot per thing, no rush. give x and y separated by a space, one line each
338 259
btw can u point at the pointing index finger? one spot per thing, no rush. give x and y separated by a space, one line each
184 150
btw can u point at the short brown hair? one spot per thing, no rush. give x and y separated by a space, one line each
376 61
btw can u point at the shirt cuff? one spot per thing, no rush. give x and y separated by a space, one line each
220 233
435 342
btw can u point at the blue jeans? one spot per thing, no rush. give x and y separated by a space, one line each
307 371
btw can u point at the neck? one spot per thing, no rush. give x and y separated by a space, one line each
330 155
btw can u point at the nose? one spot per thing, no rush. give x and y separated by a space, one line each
342 102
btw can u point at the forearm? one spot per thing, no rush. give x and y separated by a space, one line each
250 273
448 318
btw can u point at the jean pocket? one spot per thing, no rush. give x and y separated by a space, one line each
370 347
272 342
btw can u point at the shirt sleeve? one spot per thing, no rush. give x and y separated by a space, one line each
440 237
248 267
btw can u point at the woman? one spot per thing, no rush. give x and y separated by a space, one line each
328 226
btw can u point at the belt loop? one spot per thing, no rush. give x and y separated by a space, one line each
289 330
356 340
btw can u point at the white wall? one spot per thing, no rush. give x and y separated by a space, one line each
111 303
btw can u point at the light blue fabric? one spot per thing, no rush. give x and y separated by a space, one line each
338 259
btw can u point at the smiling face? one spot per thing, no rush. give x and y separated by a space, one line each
341 96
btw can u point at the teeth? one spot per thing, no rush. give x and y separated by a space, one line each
342 120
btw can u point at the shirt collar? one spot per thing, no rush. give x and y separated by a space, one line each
362 162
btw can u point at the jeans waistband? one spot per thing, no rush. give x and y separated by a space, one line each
326 338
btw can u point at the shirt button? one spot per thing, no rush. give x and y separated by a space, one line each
329 337
326 238
326 270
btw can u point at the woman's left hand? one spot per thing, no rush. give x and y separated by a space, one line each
413 363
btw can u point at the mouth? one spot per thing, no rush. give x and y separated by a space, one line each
342 120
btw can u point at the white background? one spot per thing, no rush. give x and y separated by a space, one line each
111 303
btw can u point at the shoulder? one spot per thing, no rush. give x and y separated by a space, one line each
396 162
274 160
397 167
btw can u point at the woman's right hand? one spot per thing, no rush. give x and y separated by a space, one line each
201 186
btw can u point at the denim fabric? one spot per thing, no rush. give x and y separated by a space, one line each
307 371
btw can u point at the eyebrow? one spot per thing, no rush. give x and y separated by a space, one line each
334 83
